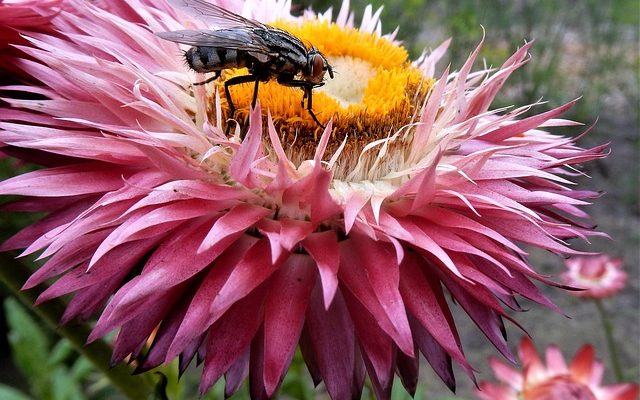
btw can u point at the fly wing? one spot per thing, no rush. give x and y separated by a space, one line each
215 15
238 39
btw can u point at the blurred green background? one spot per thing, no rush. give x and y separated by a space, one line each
582 48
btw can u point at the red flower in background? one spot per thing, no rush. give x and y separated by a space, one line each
342 242
580 380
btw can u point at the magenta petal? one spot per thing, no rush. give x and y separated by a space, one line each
309 356
90 299
155 222
133 334
236 374
312 193
376 346
488 90
323 206
359 374
436 355
323 248
237 219
70 256
188 353
59 217
101 218
110 321
354 204
352 280
206 190
175 261
65 181
285 308
408 368
379 261
423 132
198 318
170 162
284 234
124 259
241 164
231 335
450 219
254 268
382 392
158 351
517 282
482 307
526 124
257 389
423 296
334 354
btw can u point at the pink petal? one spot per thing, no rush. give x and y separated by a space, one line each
198 318
236 374
254 268
423 296
323 248
236 220
582 363
379 292
231 335
408 368
377 347
285 308
240 168
334 354
65 181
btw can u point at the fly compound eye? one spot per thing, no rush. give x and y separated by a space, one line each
317 70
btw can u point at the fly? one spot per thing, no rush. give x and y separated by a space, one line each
267 52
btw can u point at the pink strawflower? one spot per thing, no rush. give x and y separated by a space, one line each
580 380
600 275
342 243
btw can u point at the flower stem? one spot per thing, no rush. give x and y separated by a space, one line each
13 274
607 326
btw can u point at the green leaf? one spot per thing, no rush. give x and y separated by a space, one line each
61 352
30 348
82 369
9 393
65 387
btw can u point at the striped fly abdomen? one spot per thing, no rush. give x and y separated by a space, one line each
205 59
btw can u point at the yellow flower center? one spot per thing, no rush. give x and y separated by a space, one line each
374 93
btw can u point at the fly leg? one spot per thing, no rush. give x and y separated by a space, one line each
216 75
255 93
309 94
287 80
238 80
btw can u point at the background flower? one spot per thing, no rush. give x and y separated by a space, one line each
601 276
553 380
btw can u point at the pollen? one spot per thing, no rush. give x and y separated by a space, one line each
374 93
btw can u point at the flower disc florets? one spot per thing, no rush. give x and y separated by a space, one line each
375 93
243 247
